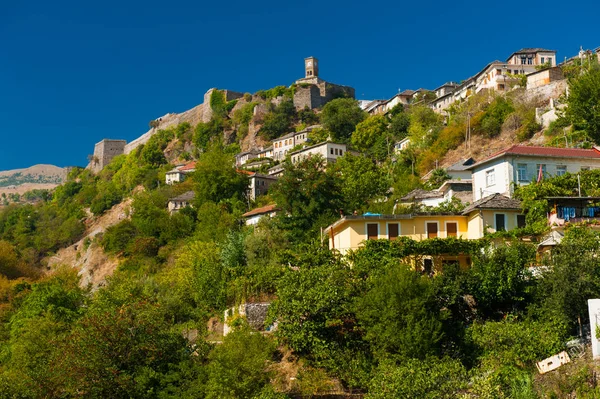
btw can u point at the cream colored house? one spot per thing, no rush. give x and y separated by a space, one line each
532 56
181 201
491 214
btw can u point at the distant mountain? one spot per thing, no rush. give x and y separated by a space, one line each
37 174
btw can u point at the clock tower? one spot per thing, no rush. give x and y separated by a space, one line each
311 66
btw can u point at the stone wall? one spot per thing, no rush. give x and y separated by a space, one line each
254 313
317 94
104 152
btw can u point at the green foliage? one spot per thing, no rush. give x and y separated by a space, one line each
106 198
500 279
573 278
583 103
205 132
239 367
275 92
419 379
340 117
118 237
306 194
494 116
216 179
399 314
371 135
360 180
279 121
218 103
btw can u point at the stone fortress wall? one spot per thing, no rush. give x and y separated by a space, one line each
104 152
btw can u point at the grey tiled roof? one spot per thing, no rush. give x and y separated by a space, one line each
494 201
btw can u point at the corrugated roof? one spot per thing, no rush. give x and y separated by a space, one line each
494 201
553 152
261 210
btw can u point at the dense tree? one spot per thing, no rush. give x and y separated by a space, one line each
308 195
583 102
399 314
279 121
369 132
340 117
216 179
361 180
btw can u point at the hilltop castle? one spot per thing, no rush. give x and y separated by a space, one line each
313 92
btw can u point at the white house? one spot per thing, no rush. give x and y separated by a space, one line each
401 145
244 157
329 151
524 164
178 174
283 144
255 215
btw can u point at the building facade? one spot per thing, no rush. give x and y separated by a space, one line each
523 164
329 151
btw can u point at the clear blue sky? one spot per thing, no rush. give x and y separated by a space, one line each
75 72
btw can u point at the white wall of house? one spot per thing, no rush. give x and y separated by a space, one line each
259 186
522 169
329 151
282 146
174 177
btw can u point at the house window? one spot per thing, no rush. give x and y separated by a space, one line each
529 61
542 167
393 231
341 152
432 229
372 231
490 178
549 60
428 266
336 151
331 151
561 170
501 86
543 59
523 60
522 172
451 229
520 221
500 222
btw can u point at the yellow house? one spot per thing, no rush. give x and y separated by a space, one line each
494 213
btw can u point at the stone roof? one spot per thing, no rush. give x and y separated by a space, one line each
494 201
551 240
261 211
420 194
463 164
187 196
536 151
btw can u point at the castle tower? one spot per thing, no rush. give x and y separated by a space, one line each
311 67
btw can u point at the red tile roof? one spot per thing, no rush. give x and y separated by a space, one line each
261 210
244 172
553 152
188 166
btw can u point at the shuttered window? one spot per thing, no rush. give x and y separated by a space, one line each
432 230
372 231
451 229
393 231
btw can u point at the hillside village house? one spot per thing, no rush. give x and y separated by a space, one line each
181 201
254 216
460 170
401 145
283 144
532 56
178 174
460 189
523 164
244 157
544 77
494 213
259 185
329 151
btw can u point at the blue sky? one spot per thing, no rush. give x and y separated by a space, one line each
73 73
